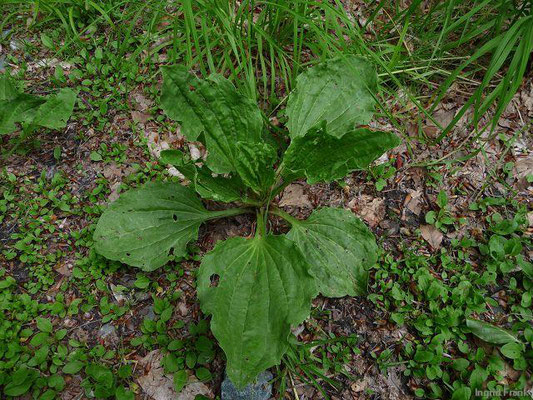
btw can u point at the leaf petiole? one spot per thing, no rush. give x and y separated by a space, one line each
261 222
230 212
286 216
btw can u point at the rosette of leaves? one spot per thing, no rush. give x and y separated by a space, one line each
256 288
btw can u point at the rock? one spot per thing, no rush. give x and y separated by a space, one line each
142 296
148 312
260 390
108 333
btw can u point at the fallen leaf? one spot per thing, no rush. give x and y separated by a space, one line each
174 172
413 201
372 210
294 195
526 97
140 117
360 385
432 235
155 383
522 169
112 170
196 153
442 117
194 389
64 269
114 192
142 102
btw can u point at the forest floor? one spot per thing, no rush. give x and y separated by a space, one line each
454 226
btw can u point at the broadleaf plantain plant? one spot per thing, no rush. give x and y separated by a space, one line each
32 112
256 288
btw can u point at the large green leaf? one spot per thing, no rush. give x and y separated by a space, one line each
263 288
57 110
217 188
339 91
50 112
21 109
143 225
322 157
339 248
255 165
490 333
212 107
8 91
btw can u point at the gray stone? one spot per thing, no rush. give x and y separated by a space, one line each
260 390
147 312
108 333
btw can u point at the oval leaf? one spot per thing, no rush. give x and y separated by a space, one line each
339 91
339 248
210 187
263 288
490 333
322 157
255 165
21 109
143 225
8 90
512 350
57 110
212 107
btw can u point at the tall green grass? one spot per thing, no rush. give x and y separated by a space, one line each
481 47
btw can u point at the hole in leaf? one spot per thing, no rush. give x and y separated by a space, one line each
128 254
215 278
175 217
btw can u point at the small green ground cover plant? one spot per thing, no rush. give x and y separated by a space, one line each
447 298
256 288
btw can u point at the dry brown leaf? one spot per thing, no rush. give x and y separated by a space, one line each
372 210
114 195
522 169
141 101
64 269
194 389
294 195
413 201
432 235
140 117
112 170
155 383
